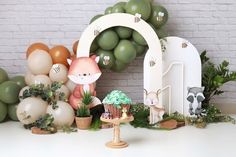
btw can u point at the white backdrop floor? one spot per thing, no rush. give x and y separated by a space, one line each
216 140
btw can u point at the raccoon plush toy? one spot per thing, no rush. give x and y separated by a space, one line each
195 97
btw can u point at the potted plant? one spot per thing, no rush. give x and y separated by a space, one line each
83 118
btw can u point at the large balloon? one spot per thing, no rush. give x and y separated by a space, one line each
3 75
94 46
162 33
95 18
41 79
3 111
60 54
139 49
12 111
70 85
20 80
59 73
138 38
75 45
118 66
142 7
159 16
106 60
124 32
108 10
108 39
64 90
39 62
36 47
29 78
22 92
63 115
125 51
9 92
31 109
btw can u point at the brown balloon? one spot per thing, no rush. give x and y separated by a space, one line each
36 46
75 45
60 54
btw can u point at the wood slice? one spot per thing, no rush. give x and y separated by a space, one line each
39 131
180 124
169 124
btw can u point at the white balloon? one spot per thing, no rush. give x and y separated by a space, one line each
59 73
41 79
22 91
29 77
63 115
31 109
64 90
39 62
71 85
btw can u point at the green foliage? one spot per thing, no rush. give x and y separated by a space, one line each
45 123
47 93
87 98
83 111
213 77
67 129
96 125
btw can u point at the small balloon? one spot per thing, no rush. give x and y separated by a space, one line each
41 79
70 85
60 54
75 45
64 90
35 47
59 73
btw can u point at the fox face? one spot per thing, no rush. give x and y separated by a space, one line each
84 70
151 98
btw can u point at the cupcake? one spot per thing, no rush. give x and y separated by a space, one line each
115 101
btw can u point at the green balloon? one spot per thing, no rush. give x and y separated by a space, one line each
3 75
11 109
3 111
118 66
142 7
20 80
162 33
125 51
159 16
118 9
95 18
106 60
139 49
94 46
138 38
108 10
122 4
124 32
108 39
9 92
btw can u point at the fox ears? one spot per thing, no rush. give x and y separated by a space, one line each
94 57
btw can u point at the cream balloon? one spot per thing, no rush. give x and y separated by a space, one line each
63 115
64 90
41 79
22 91
59 73
71 85
31 109
29 77
39 62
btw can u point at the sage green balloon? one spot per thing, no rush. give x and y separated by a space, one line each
20 80
124 32
3 75
159 16
12 111
94 46
162 33
118 9
108 10
125 51
139 48
106 60
138 38
122 4
118 66
95 18
9 92
142 7
3 111
108 39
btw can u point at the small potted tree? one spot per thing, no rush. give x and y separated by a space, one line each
83 118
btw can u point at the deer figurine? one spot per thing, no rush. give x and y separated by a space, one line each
156 109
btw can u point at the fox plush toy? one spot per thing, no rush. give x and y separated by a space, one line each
83 71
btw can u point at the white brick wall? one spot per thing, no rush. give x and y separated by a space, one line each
208 24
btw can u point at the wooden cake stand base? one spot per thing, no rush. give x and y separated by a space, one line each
116 142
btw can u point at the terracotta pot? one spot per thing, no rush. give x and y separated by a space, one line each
116 112
83 122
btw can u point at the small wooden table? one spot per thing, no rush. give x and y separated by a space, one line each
116 142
